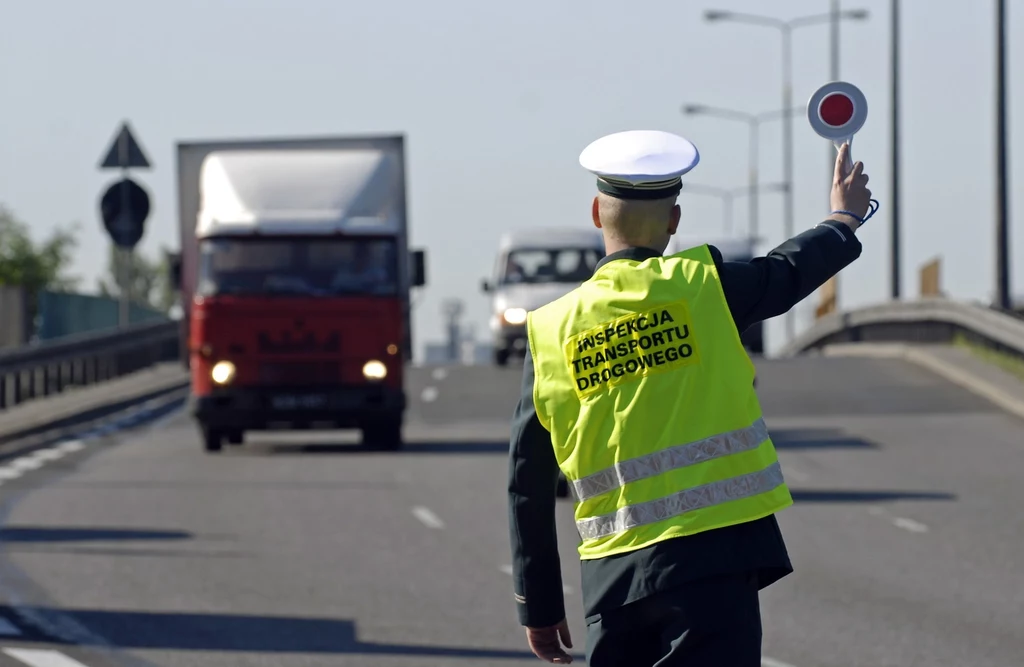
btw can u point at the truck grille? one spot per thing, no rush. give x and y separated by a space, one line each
304 373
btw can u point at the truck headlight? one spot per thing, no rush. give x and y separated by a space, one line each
515 315
222 372
374 370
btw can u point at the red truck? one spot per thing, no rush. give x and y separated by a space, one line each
295 278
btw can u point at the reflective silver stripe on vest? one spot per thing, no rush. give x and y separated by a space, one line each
672 458
716 493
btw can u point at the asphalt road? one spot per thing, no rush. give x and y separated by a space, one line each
303 550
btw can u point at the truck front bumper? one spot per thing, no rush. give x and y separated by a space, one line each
258 408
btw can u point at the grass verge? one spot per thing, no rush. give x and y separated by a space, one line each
1007 362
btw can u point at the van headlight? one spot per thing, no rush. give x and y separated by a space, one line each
374 370
222 372
515 315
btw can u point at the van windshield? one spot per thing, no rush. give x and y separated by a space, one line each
307 266
549 265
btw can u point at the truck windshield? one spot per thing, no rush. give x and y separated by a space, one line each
309 266
554 265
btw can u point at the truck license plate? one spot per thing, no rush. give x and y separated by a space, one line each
299 402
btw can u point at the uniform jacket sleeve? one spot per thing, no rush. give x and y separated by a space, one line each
532 483
769 286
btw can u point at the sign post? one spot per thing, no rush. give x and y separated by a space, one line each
124 208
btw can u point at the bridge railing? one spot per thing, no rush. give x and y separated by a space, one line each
47 368
926 320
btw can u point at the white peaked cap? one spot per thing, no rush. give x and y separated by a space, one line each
640 164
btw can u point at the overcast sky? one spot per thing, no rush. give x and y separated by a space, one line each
497 100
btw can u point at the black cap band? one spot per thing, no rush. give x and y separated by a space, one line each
643 191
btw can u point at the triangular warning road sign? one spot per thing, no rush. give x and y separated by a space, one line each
125 152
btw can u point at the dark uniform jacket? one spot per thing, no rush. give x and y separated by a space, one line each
757 290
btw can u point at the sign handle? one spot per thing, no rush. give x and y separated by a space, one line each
848 164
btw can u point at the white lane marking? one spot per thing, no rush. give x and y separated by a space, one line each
507 569
10 473
771 662
71 446
427 518
429 394
49 454
910 524
41 657
8 629
25 463
439 373
898 521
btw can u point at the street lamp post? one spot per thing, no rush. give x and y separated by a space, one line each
754 122
786 28
895 268
728 195
1003 299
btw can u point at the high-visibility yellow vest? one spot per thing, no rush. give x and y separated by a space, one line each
648 394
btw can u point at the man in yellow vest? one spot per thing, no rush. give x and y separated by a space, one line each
637 388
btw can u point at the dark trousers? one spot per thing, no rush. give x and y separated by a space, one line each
714 622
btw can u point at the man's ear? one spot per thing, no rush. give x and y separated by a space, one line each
595 214
673 224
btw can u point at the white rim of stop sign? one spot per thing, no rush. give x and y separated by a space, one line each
852 126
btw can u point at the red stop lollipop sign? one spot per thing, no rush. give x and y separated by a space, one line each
837 111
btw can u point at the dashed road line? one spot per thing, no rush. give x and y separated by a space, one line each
40 457
26 463
898 521
37 459
439 373
42 657
429 394
48 454
71 446
910 524
427 518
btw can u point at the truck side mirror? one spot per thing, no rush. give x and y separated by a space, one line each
485 286
174 269
419 268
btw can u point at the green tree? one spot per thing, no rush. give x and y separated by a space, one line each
35 266
148 284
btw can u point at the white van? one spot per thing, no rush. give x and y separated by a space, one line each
535 267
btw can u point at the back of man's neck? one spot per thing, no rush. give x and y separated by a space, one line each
612 248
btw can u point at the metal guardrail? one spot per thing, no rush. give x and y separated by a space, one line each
43 369
928 320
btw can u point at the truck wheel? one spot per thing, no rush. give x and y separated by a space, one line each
236 437
383 436
500 357
213 439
